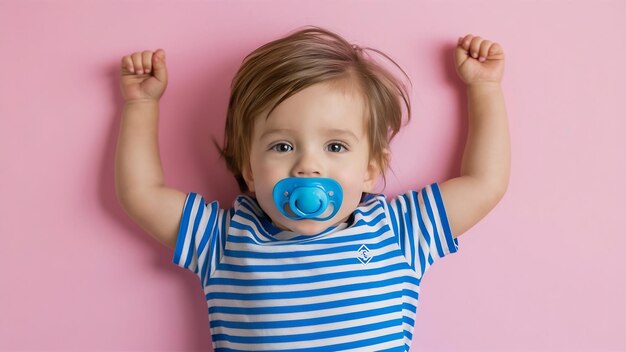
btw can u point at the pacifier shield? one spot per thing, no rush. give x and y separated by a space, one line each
308 198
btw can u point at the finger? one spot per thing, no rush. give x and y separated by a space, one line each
137 63
496 51
483 52
465 41
160 70
146 59
461 52
474 46
127 64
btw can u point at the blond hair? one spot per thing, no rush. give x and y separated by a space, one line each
281 68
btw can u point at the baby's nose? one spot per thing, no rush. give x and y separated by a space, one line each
306 173
307 166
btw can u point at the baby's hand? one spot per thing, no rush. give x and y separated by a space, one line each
479 60
144 76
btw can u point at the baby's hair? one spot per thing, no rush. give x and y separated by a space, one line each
283 67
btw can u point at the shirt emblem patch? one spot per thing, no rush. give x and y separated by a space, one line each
364 254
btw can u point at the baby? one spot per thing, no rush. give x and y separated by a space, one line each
310 257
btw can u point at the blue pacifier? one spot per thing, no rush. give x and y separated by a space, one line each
308 198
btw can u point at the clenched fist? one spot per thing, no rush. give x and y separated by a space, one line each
143 76
479 60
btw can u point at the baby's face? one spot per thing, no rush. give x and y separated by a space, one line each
317 132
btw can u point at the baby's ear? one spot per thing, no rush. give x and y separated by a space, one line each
246 172
375 170
372 175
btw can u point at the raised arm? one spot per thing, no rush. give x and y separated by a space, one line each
486 161
139 182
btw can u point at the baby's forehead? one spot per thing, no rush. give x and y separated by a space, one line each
326 110
333 95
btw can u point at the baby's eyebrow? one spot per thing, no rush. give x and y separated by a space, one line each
338 131
329 131
276 131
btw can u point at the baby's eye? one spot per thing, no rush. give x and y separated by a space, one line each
337 147
281 147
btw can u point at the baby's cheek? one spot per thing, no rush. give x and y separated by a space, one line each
351 193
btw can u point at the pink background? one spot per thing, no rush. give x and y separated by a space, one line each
544 271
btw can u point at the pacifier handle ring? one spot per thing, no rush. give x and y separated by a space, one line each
320 209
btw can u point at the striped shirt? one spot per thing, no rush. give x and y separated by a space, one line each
353 287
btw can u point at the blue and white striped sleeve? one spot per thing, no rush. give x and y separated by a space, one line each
419 220
199 236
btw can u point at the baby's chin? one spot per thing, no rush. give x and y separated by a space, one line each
307 227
